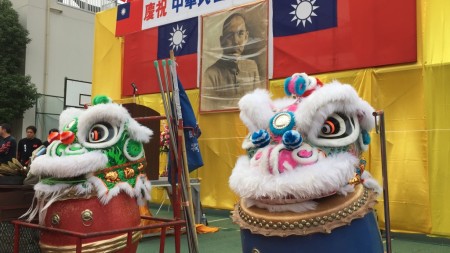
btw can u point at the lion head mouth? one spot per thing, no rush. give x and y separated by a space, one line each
277 159
292 182
67 161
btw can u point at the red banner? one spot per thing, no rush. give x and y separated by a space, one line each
129 18
141 50
357 34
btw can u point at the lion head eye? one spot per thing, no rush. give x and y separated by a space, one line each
337 130
331 126
337 126
101 132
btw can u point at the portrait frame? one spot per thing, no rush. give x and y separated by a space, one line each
231 77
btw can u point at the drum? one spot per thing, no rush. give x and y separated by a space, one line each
87 215
339 224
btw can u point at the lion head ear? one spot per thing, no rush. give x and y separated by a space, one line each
365 117
139 132
256 109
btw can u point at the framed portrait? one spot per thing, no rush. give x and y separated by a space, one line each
233 56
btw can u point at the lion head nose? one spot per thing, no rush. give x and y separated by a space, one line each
67 137
53 136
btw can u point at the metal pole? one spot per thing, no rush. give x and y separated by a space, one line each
167 80
166 109
167 92
129 237
173 148
16 238
193 247
185 171
78 245
183 159
387 219
162 240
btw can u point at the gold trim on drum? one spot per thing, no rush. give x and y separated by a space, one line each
108 246
73 194
332 212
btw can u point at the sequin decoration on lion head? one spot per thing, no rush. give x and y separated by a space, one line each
98 152
303 147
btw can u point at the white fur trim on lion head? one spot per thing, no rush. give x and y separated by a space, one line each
331 98
115 114
256 109
68 115
139 132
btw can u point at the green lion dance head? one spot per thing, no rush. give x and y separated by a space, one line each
98 151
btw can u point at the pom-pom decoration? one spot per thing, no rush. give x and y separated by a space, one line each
100 99
260 138
282 122
292 139
295 85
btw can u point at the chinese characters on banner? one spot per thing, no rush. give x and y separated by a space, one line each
161 12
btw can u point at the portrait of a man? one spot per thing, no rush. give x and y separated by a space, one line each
237 64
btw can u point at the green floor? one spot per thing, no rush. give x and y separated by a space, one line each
227 239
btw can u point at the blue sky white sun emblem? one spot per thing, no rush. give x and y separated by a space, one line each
177 38
303 11
123 11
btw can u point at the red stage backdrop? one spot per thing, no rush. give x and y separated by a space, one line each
329 35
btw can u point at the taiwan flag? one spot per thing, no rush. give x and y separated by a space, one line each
317 36
129 18
141 49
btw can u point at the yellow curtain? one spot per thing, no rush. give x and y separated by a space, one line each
415 99
107 63
436 78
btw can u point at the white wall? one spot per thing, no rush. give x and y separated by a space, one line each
61 46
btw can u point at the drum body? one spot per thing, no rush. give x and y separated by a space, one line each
339 224
88 216
362 235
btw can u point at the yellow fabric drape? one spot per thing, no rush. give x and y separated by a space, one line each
107 63
436 80
415 98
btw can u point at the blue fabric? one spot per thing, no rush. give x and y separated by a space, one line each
285 18
191 133
123 11
181 37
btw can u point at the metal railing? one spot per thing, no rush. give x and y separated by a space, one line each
93 6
